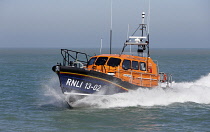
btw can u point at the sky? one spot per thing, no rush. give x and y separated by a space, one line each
82 23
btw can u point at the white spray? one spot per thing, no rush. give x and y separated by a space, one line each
198 92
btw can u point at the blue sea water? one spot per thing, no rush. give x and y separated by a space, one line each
31 99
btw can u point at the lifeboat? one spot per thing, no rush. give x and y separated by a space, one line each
108 74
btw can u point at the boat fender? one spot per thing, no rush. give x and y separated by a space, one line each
164 77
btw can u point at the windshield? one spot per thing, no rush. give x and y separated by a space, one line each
91 61
101 60
114 62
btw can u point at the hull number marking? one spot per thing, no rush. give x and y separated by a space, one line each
95 87
79 84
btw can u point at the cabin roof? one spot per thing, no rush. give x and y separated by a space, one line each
122 56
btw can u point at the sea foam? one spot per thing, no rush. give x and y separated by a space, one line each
52 93
197 91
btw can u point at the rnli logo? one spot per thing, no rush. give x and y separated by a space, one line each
75 83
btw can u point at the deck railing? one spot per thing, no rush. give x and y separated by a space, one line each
71 56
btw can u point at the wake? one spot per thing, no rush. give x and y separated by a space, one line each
197 91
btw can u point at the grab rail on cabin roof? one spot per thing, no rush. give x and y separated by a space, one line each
71 55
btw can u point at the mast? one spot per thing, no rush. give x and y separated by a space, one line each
148 21
141 40
111 31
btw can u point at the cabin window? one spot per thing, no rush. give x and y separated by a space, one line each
91 61
114 62
101 60
126 64
135 65
142 66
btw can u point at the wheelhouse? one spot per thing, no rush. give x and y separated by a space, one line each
141 71
138 63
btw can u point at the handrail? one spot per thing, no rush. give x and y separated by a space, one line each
68 57
142 76
150 76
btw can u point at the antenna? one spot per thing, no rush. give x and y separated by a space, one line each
128 32
111 14
128 36
148 21
101 45
148 18
111 31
